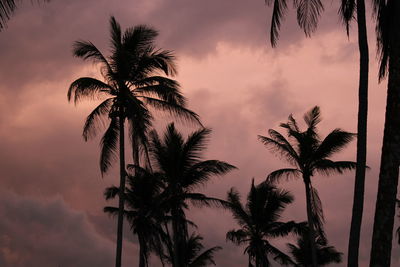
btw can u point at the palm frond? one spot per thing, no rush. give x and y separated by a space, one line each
284 149
163 88
312 117
200 173
346 12
278 13
7 7
317 214
139 39
328 167
237 237
116 35
280 256
308 13
96 119
88 50
206 258
177 111
238 212
109 145
87 87
333 142
194 146
111 192
286 173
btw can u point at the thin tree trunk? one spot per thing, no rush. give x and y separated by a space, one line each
175 229
121 205
142 254
390 159
311 233
359 185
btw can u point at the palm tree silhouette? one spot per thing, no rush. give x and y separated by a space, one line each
325 254
193 254
308 154
142 196
259 222
347 12
179 163
387 13
131 85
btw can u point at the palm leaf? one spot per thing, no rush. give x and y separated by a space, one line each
287 173
333 142
328 167
87 87
278 12
109 145
284 149
7 7
96 119
308 13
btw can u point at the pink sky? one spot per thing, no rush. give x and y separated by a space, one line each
50 187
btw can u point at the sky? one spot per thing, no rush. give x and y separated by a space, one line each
51 189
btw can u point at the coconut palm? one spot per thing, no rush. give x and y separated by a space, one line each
179 163
259 222
387 13
142 196
348 10
309 154
325 254
131 84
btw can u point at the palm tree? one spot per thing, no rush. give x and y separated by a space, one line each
193 254
131 85
142 196
259 222
309 154
308 12
179 163
387 13
347 10
325 254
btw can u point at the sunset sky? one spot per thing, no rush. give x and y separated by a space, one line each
51 189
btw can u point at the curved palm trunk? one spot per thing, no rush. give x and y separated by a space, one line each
359 185
311 232
390 159
121 189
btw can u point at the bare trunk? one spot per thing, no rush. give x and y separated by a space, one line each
311 232
390 159
175 229
359 185
142 252
118 259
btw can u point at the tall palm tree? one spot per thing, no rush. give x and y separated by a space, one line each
308 12
179 163
347 12
325 254
131 84
309 154
387 13
259 222
142 196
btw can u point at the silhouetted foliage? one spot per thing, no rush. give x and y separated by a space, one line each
7 8
259 222
179 164
309 154
387 14
131 84
301 251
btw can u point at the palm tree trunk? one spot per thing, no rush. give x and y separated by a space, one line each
359 185
311 232
390 158
142 253
175 229
121 190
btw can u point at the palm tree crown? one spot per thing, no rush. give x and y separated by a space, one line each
131 84
259 222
